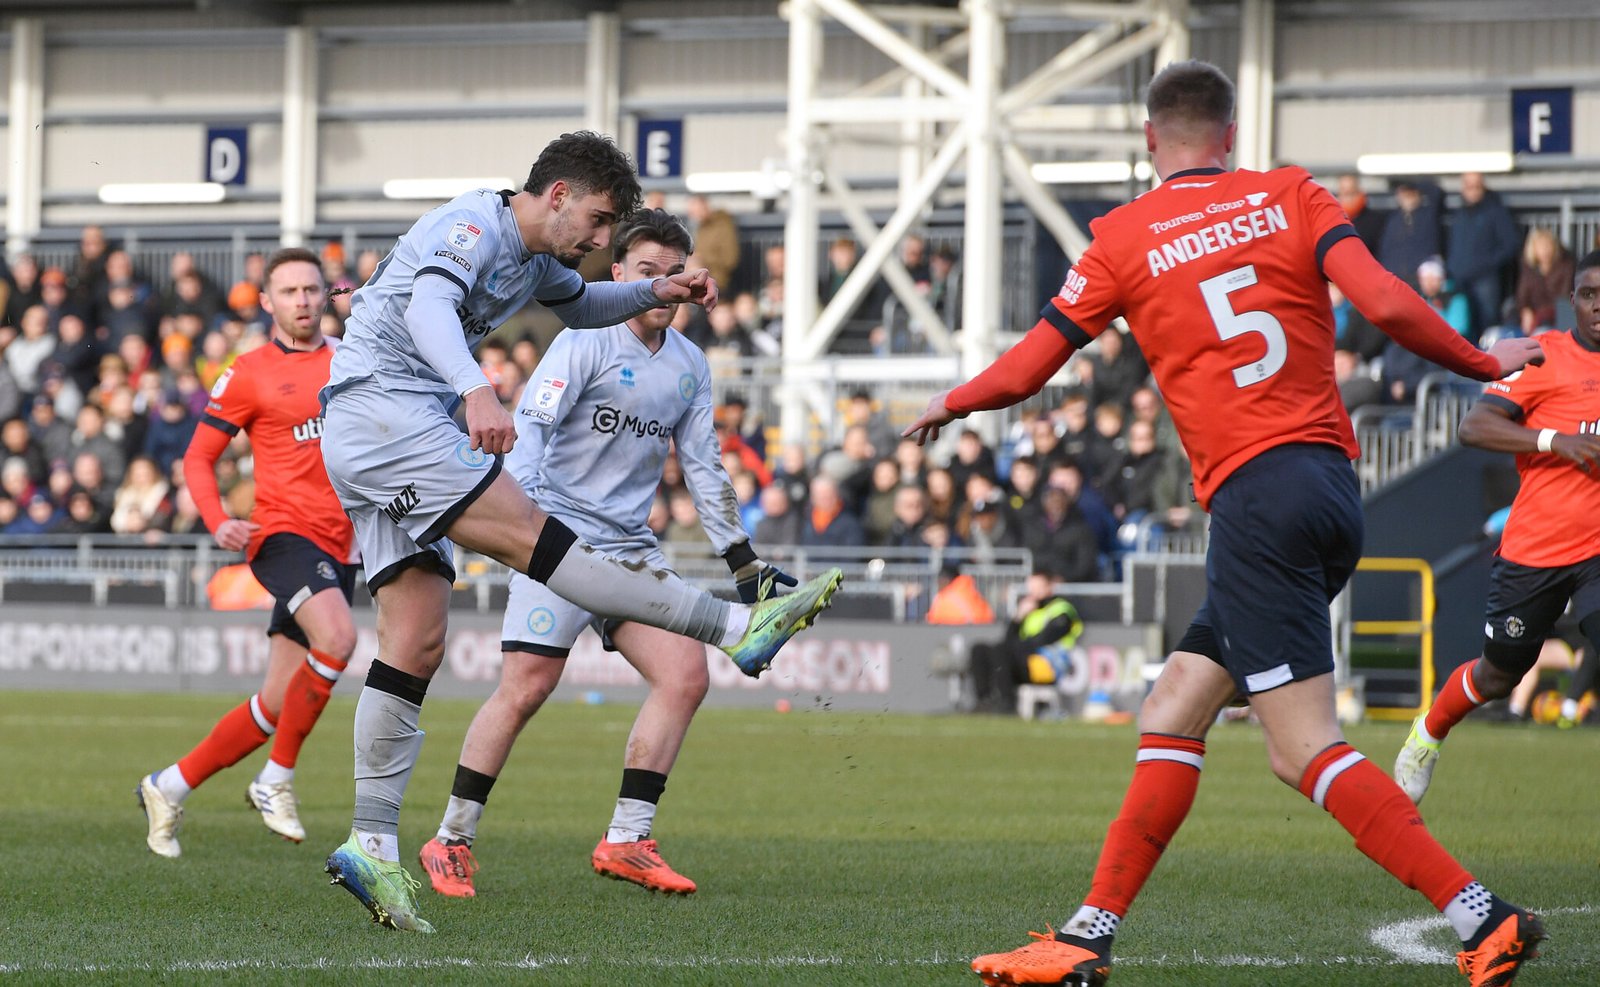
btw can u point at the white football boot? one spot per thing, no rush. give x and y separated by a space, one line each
164 816
278 808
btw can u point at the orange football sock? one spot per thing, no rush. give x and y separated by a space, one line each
240 731
1165 778
1456 700
303 701
1387 828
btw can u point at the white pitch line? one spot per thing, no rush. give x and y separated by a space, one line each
1403 939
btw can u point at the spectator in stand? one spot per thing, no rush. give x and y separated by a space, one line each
1483 243
1079 441
1368 222
124 290
50 434
877 516
39 516
1108 455
525 354
1022 485
1451 306
944 287
255 270
125 424
988 524
972 458
747 312
944 499
781 523
185 519
83 515
77 355
793 475
136 355
850 467
26 355
1351 329
88 278
176 359
215 357
1412 233
914 256
366 264
16 479
1060 538
716 240
1152 480
829 523
725 420
53 296
1096 510
143 502
727 342
1114 370
90 438
842 257
17 443
684 529
244 301
24 290
1546 278
1356 384
910 526
88 473
748 493
912 461
169 431
1147 406
190 296
861 410
736 414
123 315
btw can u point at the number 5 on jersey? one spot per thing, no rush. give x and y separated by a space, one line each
1231 324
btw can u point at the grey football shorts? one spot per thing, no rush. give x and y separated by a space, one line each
404 471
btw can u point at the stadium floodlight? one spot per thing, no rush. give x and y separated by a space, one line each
439 188
1441 163
1090 172
161 193
765 184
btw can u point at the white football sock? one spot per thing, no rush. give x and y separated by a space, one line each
273 773
170 781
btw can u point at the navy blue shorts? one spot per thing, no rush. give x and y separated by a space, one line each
294 569
1524 604
1286 532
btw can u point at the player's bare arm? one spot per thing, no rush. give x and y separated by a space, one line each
1492 428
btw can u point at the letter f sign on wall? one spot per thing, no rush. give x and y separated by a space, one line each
1541 121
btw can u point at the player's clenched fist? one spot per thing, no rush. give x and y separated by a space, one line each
488 425
694 287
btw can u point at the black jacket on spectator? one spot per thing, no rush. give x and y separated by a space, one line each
1066 547
781 530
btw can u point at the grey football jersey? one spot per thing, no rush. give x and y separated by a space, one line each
471 241
592 432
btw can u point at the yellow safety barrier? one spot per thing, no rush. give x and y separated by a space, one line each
1422 629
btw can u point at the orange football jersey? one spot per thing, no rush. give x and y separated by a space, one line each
1553 520
271 393
1219 275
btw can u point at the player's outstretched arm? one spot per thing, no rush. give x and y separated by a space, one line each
1392 306
1019 374
1488 426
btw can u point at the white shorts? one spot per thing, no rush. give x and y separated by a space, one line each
404 472
539 622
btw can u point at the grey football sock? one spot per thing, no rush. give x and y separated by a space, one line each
387 745
603 585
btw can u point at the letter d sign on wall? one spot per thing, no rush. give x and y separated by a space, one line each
227 155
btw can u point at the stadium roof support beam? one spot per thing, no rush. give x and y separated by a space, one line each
298 209
25 135
933 104
602 78
1253 143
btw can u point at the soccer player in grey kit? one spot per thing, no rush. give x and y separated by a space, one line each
593 433
410 478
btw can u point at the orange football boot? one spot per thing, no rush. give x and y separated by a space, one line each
450 867
1046 960
1503 951
639 863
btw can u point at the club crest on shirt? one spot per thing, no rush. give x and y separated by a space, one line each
464 236
549 393
222 383
687 385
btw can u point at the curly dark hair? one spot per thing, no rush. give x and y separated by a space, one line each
1188 93
589 162
653 226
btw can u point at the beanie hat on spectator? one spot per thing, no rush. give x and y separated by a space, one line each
177 343
243 295
53 275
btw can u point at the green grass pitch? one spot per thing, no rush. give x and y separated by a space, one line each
829 848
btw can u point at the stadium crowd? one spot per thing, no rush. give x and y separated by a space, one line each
106 370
